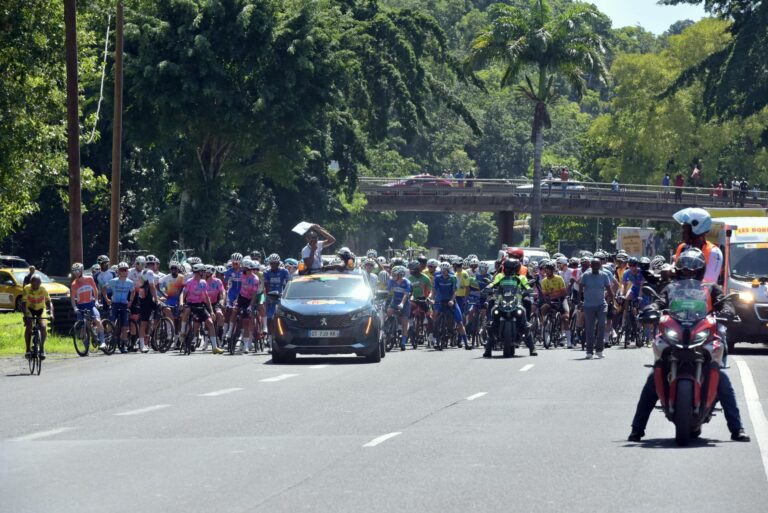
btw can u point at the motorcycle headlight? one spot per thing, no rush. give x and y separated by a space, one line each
287 315
746 297
701 337
672 336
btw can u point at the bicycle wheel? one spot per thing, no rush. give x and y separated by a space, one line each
163 335
547 332
189 341
81 338
110 339
133 336
390 333
35 361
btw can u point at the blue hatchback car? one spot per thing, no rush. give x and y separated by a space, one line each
327 313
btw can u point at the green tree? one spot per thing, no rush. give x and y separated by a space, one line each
541 46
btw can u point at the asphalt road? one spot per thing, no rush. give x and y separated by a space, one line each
421 432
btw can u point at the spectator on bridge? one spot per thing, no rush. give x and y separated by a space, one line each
615 187
743 189
696 176
665 186
717 190
679 182
459 177
735 187
756 192
470 179
564 175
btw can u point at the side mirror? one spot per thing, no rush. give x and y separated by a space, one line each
648 290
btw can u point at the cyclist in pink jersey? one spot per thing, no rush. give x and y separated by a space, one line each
248 297
215 293
197 302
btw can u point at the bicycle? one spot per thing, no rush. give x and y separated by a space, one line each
84 334
552 331
416 332
630 330
445 327
36 346
112 328
476 328
391 329
163 331
578 333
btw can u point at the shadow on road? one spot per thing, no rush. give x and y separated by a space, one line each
669 443
321 360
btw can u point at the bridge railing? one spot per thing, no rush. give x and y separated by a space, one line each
701 196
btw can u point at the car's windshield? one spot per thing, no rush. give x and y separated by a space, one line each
749 260
19 275
324 286
688 300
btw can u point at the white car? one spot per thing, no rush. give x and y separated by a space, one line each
553 188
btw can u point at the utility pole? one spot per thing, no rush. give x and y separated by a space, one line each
73 134
117 137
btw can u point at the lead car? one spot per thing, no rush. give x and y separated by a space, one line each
327 313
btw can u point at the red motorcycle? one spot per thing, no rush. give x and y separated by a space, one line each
687 352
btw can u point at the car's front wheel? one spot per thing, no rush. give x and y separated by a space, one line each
375 355
280 356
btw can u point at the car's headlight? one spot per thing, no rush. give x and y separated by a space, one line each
362 314
746 297
287 315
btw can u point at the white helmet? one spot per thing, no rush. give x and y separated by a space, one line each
77 268
197 268
141 261
562 260
250 264
382 260
236 257
445 266
274 257
482 267
698 218
152 259
95 268
432 262
372 253
474 261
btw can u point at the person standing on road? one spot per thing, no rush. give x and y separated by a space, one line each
594 287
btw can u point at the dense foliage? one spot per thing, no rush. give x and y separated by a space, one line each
243 117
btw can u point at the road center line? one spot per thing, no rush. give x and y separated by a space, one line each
278 378
756 413
41 434
323 366
526 368
382 439
476 396
220 392
142 410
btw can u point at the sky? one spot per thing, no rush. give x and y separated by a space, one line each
647 13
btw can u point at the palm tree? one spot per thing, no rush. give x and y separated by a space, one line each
541 46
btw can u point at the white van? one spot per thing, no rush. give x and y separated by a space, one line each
744 242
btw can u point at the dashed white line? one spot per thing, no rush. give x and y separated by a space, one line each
220 392
476 396
40 434
143 410
322 366
382 439
527 368
281 377
756 413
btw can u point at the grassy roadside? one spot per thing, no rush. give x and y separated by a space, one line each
12 337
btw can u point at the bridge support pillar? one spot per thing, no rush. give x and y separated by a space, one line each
506 228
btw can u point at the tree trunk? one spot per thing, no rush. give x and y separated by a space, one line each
538 149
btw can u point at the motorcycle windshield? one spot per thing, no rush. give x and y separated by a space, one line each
509 292
688 300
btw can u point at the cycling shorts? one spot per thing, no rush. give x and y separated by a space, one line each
34 314
146 308
88 307
439 307
243 303
406 312
121 310
420 304
199 311
461 302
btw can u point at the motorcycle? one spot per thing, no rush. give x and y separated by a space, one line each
507 312
688 352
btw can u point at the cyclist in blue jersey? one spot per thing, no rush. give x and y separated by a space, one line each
122 295
399 290
632 284
275 280
444 295
232 280
478 294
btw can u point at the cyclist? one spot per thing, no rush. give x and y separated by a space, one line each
553 288
232 279
478 293
422 289
399 299
169 289
431 269
444 291
216 294
510 278
34 301
84 293
622 259
120 294
146 285
153 264
275 280
632 285
105 274
197 302
291 265
246 303
462 278
369 267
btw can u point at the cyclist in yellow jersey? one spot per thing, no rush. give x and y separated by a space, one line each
463 281
553 288
34 300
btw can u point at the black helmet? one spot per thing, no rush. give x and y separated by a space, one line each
645 263
422 259
413 265
633 261
396 262
691 260
511 266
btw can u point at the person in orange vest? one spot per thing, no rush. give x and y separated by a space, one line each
696 223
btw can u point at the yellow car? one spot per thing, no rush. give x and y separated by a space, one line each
11 281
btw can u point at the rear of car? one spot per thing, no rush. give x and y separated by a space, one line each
327 313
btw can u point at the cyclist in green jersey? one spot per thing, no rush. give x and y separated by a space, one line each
422 288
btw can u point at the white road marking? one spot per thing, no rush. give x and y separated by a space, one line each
143 410
756 413
476 396
41 434
318 366
527 368
220 392
382 439
278 378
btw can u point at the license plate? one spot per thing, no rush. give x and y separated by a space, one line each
323 333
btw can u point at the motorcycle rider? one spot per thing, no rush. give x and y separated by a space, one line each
511 277
690 264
